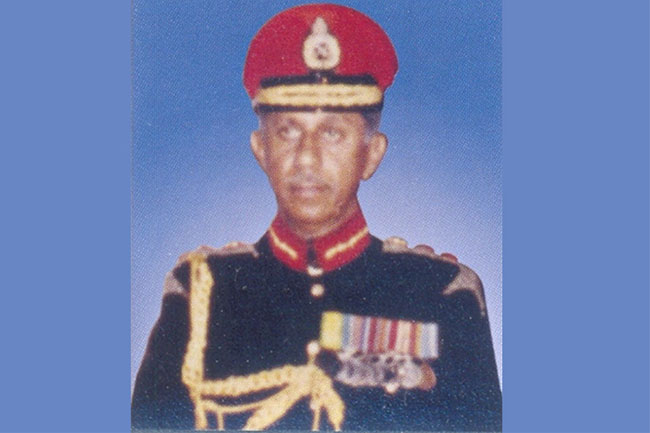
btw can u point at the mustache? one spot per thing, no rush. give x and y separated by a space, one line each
306 179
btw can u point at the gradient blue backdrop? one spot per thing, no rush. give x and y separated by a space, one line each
196 182
576 210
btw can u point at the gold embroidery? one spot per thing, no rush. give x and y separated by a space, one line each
297 381
339 95
343 246
468 280
282 245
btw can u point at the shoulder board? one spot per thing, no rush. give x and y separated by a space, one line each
173 285
466 279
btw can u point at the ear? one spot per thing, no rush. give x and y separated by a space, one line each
375 153
257 146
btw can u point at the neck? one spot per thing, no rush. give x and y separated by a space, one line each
313 230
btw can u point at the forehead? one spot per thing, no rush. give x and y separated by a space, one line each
312 119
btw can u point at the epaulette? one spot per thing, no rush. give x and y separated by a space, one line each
466 279
172 285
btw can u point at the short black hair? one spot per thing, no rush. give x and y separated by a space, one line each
372 118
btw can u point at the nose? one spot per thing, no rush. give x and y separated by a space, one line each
308 151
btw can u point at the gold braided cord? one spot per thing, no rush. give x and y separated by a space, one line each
343 246
293 382
192 371
314 95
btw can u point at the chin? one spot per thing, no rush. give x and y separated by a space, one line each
310 216
316 214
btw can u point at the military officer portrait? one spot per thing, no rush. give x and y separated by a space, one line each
288 223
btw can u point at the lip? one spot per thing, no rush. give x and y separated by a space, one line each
307 190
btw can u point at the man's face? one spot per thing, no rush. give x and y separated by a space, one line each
315 162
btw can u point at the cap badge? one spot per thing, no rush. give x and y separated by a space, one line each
321 50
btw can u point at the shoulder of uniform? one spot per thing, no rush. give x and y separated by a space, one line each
397 245
230 249
465 280
176 280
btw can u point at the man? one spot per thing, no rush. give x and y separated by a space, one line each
319 324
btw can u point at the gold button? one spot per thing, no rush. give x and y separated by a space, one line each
314 271
313 348
317 290
391 387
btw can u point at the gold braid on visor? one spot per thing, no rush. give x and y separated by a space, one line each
293 383
320 95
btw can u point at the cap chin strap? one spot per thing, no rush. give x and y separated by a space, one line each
297 382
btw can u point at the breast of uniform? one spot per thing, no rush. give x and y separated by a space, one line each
263 312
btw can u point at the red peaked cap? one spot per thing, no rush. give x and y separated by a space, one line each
276 50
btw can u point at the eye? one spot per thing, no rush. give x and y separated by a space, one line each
288 133
332 134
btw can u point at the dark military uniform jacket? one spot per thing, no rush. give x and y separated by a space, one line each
266 303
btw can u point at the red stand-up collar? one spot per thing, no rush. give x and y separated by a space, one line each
332 250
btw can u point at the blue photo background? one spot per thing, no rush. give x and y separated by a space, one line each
575 187
194 180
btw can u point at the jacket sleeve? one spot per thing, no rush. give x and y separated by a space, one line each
468 374
160 399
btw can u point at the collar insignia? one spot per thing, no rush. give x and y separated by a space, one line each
321 254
